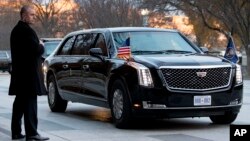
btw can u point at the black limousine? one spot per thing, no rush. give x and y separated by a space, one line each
161 75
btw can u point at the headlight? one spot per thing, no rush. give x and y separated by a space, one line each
144 75
238 74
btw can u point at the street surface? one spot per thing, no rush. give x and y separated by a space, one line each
89 123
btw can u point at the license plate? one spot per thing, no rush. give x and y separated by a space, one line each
202 100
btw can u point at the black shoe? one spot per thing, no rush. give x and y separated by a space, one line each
17 137
36 138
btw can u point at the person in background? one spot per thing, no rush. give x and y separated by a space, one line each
26 78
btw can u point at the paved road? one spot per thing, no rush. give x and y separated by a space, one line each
89 123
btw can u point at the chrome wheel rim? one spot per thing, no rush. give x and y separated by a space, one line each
118 104
52 93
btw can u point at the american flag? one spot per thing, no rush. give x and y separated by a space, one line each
124 52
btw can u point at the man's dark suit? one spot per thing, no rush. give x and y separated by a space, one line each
26 77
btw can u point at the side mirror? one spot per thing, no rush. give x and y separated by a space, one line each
204 49
96 52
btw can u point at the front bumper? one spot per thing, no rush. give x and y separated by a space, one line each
162 103
187 112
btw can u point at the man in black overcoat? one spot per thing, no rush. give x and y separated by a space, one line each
26 76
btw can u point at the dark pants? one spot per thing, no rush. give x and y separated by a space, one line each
24 106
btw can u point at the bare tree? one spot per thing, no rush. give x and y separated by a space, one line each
54 16
223 16
9 15
109 13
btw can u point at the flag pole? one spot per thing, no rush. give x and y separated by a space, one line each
231 51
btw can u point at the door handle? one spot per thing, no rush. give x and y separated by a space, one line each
85 67
65 66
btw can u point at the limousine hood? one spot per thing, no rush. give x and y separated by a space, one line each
179 60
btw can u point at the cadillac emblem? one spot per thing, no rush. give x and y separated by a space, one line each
201 74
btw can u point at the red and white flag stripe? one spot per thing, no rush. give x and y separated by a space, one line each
124 50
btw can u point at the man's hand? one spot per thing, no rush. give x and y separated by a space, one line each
41 43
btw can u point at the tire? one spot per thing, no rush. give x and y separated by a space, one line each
120 105
223 119
56 103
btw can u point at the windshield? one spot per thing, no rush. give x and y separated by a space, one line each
50 47
152 42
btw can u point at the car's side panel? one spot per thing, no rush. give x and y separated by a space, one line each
95 70
95 75
74 74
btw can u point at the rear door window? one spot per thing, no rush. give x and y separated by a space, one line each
67 46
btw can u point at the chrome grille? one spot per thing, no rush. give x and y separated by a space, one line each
196 78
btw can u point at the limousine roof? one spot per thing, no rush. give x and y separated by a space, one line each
119 29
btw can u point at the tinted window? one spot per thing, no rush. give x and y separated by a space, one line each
100 43
65 50
83 43
89 39
77 49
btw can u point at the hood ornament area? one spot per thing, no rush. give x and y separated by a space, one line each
201 74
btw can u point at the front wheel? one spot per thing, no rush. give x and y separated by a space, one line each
56 103
120 105
224 119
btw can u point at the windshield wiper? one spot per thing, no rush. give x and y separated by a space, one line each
146 52
162 51
177 51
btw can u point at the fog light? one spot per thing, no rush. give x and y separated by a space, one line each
148 105
234 102
137 105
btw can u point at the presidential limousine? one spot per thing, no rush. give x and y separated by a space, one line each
142 72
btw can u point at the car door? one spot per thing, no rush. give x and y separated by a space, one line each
95 71
62 63
74 62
